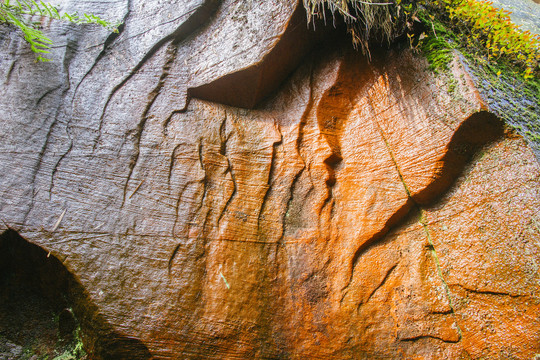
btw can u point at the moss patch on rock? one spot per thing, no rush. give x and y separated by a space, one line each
513 98
512 92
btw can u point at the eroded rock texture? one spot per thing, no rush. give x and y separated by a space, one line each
359 211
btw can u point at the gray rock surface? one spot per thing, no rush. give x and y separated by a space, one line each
525 13
9 350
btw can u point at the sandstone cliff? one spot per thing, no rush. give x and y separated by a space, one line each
214 182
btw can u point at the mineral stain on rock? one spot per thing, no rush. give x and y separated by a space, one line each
356 210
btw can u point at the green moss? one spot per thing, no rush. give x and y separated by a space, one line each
486 32
511 93
62 348
452 86
436 42
73 351
437 53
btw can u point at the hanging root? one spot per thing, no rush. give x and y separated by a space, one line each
367 21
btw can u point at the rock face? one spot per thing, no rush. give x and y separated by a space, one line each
523 12
361 210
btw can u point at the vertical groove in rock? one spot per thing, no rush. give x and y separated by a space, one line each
387 145
171 55
271 175
433 252
68 57
106 45
64 86
224 138
9 73
381 284
298 146
196 18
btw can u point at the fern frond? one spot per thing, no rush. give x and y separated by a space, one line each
14 13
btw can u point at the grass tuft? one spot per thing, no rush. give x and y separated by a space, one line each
367 21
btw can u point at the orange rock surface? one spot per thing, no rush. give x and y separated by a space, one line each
362 211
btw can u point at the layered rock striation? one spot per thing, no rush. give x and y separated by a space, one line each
214 192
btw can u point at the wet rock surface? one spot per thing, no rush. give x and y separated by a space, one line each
525 13
358 211
511 99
